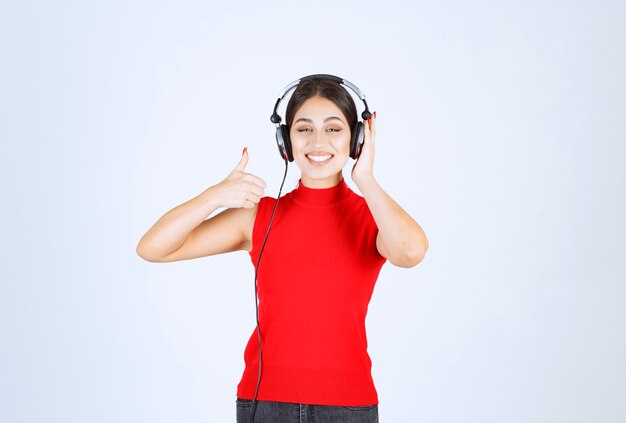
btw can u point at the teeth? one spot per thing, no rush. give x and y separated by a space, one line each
320 158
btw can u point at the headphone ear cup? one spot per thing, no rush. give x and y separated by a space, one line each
358 136
284 143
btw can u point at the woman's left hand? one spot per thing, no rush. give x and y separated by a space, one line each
400 238
364 166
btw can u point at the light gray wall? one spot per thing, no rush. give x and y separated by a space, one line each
500 129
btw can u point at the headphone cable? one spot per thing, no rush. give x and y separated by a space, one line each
256 303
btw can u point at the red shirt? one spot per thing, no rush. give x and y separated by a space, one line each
315 281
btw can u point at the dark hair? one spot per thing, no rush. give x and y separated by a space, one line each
324 88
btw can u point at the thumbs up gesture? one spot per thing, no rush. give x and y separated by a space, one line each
240 189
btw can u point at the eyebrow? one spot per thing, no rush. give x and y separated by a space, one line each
325 120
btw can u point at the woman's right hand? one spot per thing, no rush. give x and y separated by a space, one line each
239 189
185 232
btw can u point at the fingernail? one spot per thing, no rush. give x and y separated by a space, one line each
374 114
244 151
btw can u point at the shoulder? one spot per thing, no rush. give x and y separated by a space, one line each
265 204
361 214
358 204
246 220
259 217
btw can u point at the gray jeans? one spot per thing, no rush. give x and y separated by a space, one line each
287 412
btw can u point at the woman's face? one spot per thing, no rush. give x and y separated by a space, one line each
320 142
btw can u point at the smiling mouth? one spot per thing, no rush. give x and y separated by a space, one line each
319 158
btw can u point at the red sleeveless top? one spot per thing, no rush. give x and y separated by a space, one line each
315 281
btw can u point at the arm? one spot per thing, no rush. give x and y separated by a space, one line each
185 232
400 239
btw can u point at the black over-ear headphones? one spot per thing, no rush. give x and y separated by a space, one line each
282 131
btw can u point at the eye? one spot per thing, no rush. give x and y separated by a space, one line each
304 130
334 129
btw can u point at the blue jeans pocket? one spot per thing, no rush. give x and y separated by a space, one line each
362 407
244 402
345 414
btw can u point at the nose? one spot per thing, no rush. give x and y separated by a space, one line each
320 139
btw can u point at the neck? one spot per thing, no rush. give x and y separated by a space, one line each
321 197
321 183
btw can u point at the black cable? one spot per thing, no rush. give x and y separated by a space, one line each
256 303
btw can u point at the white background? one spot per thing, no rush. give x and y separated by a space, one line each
500 130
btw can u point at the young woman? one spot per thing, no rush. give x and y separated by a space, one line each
319 263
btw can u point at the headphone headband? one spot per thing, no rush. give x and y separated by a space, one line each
275 118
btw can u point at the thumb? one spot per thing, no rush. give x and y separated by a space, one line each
241 166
